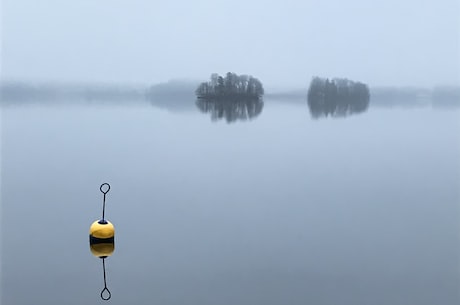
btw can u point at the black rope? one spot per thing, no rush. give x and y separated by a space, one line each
109 295
103 221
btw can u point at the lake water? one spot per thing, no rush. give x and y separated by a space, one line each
280 209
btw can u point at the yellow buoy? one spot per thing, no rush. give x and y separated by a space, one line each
102 231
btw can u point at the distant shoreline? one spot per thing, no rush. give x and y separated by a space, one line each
183 92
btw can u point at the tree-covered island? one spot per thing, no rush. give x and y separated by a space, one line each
230 86
233 97
337 97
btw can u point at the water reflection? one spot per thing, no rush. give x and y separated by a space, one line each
336 107
174 103
442 97
103 250
231 109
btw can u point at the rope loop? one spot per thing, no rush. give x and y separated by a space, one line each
102 190
107 295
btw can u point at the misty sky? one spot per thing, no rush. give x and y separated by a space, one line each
283 43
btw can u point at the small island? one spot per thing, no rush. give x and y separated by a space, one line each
233 97
230 86
337 97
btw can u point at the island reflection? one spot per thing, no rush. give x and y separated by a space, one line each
231 109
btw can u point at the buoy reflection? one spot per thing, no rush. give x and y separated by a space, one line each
103 251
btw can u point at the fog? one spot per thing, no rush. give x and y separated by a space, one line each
333 180
283 43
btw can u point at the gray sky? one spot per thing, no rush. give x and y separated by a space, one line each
283 43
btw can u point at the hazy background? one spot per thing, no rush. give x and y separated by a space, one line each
283 43
216 205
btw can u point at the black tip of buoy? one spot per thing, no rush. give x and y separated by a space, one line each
102 222
94 240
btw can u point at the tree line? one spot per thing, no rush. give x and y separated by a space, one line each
231 85
337 97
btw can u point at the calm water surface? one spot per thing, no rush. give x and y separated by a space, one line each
281 209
